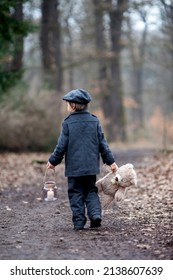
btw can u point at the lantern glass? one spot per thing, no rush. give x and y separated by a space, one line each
50 188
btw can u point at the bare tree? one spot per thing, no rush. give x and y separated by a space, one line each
115 99
99 10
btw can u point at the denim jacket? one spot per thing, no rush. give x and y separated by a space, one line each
81 142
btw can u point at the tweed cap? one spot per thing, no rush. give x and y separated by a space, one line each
80 96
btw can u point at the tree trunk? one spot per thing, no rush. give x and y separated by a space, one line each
50 39
16 64
56 43
117 128
101 51
44 34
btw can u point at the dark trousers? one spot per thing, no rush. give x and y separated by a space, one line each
82 194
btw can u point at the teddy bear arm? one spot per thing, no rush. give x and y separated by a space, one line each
99 186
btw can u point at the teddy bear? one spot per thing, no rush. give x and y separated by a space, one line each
113 185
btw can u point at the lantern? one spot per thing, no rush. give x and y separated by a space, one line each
49 188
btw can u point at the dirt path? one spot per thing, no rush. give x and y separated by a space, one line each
141 227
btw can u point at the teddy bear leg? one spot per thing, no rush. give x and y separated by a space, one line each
119 196
106 202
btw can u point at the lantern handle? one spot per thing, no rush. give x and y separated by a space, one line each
46 172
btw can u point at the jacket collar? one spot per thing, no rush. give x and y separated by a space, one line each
80 112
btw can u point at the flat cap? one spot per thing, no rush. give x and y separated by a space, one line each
80 96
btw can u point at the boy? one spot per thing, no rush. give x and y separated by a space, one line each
82 142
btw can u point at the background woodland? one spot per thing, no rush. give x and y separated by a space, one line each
121 51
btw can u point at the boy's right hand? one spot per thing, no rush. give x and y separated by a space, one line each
114 167
50 166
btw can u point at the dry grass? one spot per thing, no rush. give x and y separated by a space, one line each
29 123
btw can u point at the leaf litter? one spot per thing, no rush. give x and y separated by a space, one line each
140 227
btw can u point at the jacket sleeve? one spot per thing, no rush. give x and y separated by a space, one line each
61 147
104 149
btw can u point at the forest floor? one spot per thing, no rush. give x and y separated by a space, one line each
140 227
